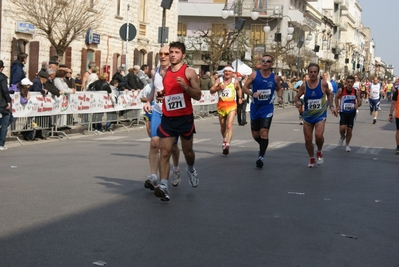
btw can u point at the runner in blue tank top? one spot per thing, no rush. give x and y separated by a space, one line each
264 85
317 97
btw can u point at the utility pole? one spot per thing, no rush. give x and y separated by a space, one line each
127 38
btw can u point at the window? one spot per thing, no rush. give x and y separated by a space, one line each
258 36
218 29
142 55
261 6
89 56
181 29
142 10
118 7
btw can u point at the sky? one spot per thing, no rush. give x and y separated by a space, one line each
381 17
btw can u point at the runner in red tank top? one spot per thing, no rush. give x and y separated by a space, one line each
180 85
347 102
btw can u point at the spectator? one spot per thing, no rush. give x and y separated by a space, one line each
214 77
69 80
92 77
44 66
78 82
60 83
23 89
17 69
38 83
100 85
114 93
205 81
53 64
49 85
120 77
143 74
5 107
86 76
63 67
133 81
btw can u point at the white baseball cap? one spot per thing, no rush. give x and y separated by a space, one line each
26 81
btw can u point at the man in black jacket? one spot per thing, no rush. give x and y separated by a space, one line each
5 107
38 83
120 77
133 81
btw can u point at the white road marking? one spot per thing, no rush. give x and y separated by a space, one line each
369 150
197 141
111 138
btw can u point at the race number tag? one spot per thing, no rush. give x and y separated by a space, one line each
174 102
225 93
264 94
314 104
349 106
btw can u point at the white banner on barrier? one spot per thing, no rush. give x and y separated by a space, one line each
85 102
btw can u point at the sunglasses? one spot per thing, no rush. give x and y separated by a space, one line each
266 61
69 72
163 54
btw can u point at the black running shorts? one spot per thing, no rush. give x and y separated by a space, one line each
177 126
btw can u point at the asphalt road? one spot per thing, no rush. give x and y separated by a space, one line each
81 202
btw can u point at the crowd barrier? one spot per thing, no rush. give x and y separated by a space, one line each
54 114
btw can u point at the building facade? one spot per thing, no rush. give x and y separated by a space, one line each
107 49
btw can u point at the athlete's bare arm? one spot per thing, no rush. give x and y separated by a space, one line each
216 87
245 88
147 105
392 110
279 89
324 87
301 91
194 91
239 91
358 99
337 99
84 80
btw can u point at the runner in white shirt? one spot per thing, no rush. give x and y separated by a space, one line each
156 96
373 92
356 85
326 79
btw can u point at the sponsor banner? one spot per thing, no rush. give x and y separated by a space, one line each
84 102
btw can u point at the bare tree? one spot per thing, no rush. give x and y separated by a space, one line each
60 21
218 47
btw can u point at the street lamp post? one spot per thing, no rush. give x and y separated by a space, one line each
301 42
277 35
236 11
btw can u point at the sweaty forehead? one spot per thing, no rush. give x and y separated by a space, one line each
164 49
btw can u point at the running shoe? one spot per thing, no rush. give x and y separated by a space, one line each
319 159
374 121
259 163
193 179
151 182
3 148
341 140
162 192
301 122
311 163
397 151
348 149
225 150
176 178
